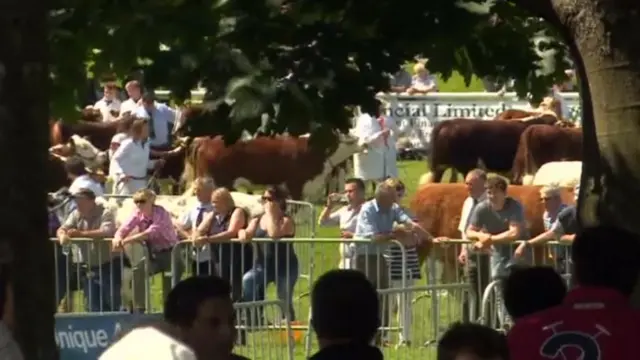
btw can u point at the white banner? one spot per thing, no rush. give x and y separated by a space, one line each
417 115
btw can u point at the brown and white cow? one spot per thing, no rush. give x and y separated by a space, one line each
281 160
540 144
461 144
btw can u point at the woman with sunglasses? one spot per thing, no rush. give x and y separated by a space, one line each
276 262
156 232
394 259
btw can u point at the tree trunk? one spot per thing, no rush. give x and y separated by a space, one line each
23 154
604 38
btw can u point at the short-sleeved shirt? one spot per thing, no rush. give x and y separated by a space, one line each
372 220
346 217
566 222
592 323
101 218
189 222
494 222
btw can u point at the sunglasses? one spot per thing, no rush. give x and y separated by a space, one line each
267 199
140 202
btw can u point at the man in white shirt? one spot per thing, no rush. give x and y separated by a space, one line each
109 105
346 217
135 94
158 342
161 119
80 178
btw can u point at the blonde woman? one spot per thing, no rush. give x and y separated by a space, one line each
399 279
218 228
422 82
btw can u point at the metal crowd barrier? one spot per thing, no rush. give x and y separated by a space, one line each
280 326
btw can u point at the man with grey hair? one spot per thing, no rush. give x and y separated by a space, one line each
203 262
564 228
376 224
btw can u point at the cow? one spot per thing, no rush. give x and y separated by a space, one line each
540 144
462 143
562 173
267 161
98 133
438 207
82 148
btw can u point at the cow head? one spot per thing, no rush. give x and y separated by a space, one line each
347 147
82 148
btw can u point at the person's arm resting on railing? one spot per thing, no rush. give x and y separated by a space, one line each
237 221
248 233
106 229
402 217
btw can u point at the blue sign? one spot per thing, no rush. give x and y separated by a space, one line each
86 336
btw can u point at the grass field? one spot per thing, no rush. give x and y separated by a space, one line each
270 344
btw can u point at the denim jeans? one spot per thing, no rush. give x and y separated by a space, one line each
102 286
255 281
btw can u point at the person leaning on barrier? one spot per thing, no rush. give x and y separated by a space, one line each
346 217
398 279
470 341
203 262
80 177
595 320
528 290
156 233
564 228
276 262
201 310
494 225
102 275
345 315
376 223
219 227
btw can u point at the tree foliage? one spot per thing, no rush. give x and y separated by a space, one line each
310 59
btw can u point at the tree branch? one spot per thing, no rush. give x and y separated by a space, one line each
540 8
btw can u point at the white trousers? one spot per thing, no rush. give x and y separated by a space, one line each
130 186
402 302
347 256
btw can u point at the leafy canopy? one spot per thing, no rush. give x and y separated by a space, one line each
311 59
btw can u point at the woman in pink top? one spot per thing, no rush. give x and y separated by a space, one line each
154 230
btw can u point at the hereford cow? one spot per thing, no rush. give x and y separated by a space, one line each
98 133
563 173
541 144
267 161
438 207
462 143
82 148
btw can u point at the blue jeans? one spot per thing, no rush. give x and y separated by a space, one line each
257 279
101 284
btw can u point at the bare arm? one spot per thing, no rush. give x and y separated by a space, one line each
250 231
237 221
507 236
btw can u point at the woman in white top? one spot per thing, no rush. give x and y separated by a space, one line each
130 162
422 82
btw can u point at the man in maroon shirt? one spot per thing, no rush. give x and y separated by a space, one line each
595 321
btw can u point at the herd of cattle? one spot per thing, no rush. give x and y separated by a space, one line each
504 145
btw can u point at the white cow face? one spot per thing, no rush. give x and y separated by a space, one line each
85 150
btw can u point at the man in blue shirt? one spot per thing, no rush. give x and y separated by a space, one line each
161 119
376 224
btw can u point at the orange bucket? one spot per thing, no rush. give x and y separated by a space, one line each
297 332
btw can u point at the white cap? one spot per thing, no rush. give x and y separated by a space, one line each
148 343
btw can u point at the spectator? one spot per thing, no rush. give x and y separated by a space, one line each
595 321
345 315
203 263
131 161
495 224
563 228
200 308
156 233
218 228
109 105
9 348
400 280
558 89
276 262
134 91
400 81
346 217
376 224
528 290
160 118
374 132
477 262
102 278
422 82
469 341
122 133
80 178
